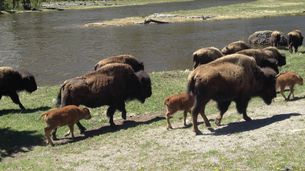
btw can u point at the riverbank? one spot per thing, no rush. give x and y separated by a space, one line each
274 140
252 9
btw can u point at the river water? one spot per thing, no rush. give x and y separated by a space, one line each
54 47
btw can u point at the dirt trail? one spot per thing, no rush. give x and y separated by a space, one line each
146 148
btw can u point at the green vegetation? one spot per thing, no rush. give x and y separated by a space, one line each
146 146
252 9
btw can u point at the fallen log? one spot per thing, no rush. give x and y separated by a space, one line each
148 21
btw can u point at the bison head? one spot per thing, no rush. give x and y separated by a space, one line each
145 86
268 91
29 82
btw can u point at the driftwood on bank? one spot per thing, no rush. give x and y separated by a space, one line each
148 21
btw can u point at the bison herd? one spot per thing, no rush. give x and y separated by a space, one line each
235 73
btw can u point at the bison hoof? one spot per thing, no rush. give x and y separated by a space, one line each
247 118
197 132
169 128
82 131
218 122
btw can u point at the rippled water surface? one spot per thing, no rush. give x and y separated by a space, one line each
54 47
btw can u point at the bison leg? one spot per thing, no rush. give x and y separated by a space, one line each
223 107
282 92
71 127
198 107
47 131
54 137
184 118
15 98
241 106
291 92
81 128
110 113
168 116
122 108
296 49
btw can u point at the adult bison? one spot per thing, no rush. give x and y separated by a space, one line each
295 39
125 59
273 53
205 55
235 78
234 47
13 81
262 59
111 85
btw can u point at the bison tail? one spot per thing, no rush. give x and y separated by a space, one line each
43 116
58 98
191 85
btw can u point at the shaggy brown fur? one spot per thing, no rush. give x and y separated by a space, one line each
230 78
68 115
234 47
111 85
13 81
125 59
275 38
295 39
205 55
262 59
273 53
182 101
288 79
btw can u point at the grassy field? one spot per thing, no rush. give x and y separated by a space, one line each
145 144
252 9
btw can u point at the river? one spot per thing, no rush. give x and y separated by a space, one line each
54 47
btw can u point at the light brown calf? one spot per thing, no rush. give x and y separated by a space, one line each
288 79
182 101
67 115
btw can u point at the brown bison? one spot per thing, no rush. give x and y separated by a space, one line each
288 79
234 47
235 78
67 115
205 55
126 59
111 85
182 101
262 59
12 81
273 53
275 38
295 39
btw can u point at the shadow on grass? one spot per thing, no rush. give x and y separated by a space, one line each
243 126
17 111
121 125
13 141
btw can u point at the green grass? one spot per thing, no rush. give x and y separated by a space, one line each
253 9
22 147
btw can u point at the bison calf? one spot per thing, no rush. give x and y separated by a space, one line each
68 115
182 101
12 81
288 79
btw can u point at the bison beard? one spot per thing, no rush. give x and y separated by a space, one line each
237 73
111 85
